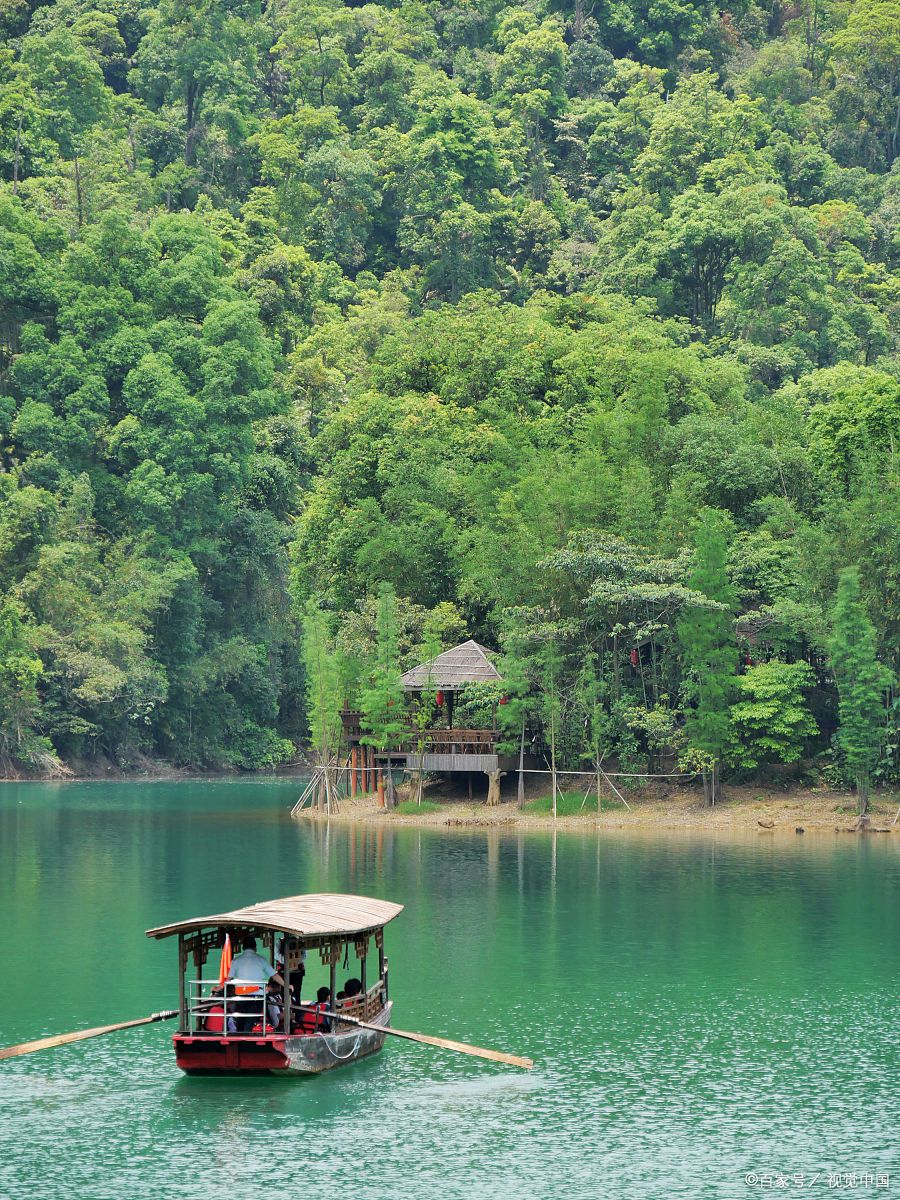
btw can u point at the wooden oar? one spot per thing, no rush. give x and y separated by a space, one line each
442 1043
62 1039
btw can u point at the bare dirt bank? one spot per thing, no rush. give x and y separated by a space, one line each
744 810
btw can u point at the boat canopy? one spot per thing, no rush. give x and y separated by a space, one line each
320 915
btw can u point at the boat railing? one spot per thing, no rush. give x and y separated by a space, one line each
365 1006
198 1004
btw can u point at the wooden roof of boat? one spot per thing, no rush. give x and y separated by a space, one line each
318 915
466 663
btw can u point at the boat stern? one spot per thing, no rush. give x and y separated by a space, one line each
230 1055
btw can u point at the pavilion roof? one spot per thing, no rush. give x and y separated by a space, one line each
466 663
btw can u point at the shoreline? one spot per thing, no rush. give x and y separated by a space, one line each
651 809
744 810
156 772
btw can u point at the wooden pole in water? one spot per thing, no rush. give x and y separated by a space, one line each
63 1039
512 1060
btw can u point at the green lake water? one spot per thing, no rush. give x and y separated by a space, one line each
698 1009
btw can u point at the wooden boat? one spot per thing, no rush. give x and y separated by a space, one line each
305 1039
304 1042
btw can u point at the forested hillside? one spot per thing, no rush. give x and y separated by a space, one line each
574 322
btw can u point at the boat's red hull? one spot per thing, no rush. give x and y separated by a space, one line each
212 1055
295 1054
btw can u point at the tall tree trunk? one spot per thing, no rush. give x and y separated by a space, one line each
78 196
192 108
17 156
520 789
553 760
862 794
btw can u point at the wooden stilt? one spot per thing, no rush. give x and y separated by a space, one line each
353 757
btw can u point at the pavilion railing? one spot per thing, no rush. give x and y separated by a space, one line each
454 741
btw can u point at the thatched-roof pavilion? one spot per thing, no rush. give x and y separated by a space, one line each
441 747
466 663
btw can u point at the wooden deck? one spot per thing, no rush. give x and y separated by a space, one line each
444 749
452 750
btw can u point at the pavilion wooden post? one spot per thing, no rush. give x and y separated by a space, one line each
353 758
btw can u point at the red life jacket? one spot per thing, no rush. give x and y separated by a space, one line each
310 1019
215 1019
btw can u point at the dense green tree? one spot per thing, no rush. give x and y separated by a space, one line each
485 301
861 682
771 720
20 670
381 698
708 652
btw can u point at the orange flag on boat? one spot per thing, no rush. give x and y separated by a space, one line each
225 960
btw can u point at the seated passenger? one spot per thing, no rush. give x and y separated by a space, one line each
352 988
274 1003
323 1004
313 1018
250 973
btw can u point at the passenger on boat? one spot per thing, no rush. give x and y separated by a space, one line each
295 977
322 1005
274 1002
313 1018
352 987
250 973
216 1021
